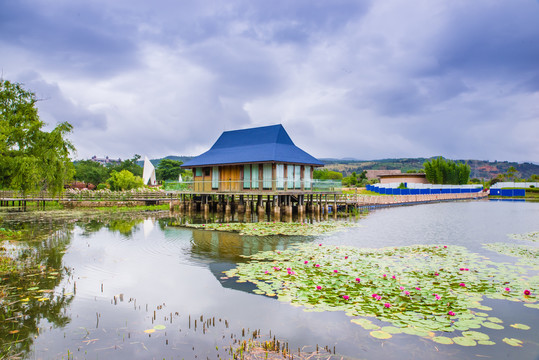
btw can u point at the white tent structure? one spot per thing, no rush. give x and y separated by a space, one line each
148 173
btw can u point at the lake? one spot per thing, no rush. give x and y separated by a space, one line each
127 287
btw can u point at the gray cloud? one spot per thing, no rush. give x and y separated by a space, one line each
346 78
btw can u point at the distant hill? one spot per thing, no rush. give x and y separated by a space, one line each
480 168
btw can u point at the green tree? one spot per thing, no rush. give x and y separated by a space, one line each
441 171
511 173
30 158
168 169
129 165
91 172
350 180
124 180
326 174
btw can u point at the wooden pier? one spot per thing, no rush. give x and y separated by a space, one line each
275 203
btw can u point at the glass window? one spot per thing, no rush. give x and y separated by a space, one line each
254 175
280 176
266 180
215 178
290 176
246 176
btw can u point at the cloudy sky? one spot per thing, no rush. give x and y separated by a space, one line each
360 79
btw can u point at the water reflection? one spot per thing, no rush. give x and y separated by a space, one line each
136 272
34 295
233 247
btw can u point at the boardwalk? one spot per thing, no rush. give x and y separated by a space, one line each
263 201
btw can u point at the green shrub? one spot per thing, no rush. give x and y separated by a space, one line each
103 186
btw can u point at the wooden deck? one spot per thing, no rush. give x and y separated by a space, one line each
265 199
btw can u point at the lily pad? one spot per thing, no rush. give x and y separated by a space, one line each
380 334
420 293
159 327
512 342
365 324
274 228
391 330
464 341
442 340
521 326
492 326
486 342
476 335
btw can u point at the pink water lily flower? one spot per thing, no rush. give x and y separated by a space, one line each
451 313
401 287
319 244
445 246
462 284
393 277
378 297
436 274
335 271
266 272
387 305
527 292
461 269
346 257
384 275
418 288
318 287
406 293
288 269
374 295
317 265
346 297
438 297
507 289
276 268
358 279
305 262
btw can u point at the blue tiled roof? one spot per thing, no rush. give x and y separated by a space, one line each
261 144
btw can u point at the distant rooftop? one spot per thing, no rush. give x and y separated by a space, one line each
106 160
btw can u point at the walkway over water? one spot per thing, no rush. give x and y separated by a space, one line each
280 200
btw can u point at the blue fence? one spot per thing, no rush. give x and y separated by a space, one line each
433 189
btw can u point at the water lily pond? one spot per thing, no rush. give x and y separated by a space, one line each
448 280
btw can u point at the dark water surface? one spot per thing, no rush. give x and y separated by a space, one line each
117 278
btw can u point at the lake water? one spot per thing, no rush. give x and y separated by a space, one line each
137 288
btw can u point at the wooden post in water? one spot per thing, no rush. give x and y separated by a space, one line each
228 208
301 206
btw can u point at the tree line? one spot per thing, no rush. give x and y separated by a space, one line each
125 175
